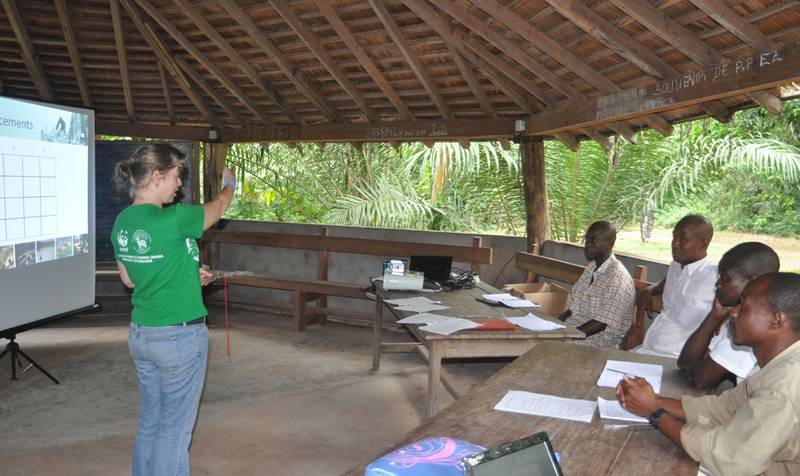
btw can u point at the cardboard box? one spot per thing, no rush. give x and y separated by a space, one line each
552 298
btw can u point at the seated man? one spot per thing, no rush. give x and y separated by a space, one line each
753 428
601 301
688 289
710 354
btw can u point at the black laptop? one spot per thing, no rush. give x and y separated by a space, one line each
434 268
529 456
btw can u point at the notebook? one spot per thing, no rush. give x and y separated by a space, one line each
529 456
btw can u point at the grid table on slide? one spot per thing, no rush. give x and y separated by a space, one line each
27 196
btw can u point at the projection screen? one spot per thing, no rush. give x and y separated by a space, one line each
47 240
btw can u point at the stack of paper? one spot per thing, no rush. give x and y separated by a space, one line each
410 301
534 323
449 326
615 370
423 318
509 300
612 410
547 405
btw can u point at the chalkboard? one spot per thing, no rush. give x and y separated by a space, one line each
109 202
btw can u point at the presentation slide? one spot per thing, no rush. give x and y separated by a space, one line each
46 210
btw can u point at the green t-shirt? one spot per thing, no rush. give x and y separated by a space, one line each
159 251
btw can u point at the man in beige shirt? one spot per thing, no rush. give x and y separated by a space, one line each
755 427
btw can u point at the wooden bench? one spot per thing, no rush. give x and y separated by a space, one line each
537 265
319 289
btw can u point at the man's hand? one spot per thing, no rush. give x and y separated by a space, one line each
206 276
637 396
718 314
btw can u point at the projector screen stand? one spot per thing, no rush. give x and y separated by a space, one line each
14 352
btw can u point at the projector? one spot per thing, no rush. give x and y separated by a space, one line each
408 281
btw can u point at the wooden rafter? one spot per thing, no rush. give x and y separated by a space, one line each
732 22
481 30
167 95
472 81
313 44
561 54
363 58
518 95
201 58
683 39
72 48
28 52
570 141
166 60
122 58
464 42
192 74
237 59
411 58
593 134
591 22
295 76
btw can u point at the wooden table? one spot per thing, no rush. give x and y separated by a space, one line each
571 371
463 344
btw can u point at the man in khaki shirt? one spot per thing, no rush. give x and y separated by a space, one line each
755 427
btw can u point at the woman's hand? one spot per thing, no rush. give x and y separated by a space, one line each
206 276
229 178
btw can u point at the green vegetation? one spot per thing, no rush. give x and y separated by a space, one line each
744 175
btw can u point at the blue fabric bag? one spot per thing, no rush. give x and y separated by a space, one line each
435 456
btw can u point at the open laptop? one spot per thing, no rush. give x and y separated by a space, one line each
436 269
529 456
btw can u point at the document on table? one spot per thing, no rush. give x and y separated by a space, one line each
509 300
612 410
517 401
616 369
421 307
498 297
424 318
450 326
411 301
534 323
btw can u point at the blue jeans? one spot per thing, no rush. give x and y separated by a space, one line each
171 365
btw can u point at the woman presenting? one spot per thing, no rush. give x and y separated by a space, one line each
158 257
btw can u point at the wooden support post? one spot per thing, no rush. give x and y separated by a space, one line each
640 273
535 185
322 275
533 248
299 314
476 267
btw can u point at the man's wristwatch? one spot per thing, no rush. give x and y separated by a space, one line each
655 417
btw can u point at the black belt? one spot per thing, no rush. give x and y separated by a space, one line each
199 320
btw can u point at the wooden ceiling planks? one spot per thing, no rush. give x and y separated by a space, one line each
459 59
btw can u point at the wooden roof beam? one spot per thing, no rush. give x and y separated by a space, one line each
167 95
411 58
192 73
596 136
481 30
72 48
624 130
298 78
237 59
570 141
463 43
686 41
758 72
517 94
122 58
201 58
165 58
27 51
472 81
363 59
555 50
731 21
313 44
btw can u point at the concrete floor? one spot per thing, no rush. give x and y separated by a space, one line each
284 403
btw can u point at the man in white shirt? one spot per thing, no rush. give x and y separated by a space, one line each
687 290
710 354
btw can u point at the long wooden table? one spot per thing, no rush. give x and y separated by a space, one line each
571 371
463 344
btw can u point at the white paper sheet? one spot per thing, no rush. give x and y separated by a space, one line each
615 370
612 410
449 326
421 307
515 303
424 318
498 297
411 301
534 323
517 401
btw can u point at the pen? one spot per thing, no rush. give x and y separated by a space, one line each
626 374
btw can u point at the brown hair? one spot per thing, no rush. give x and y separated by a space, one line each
134 173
